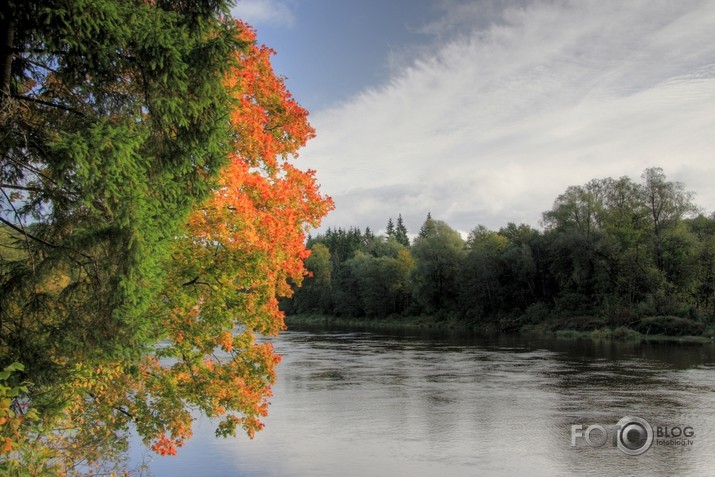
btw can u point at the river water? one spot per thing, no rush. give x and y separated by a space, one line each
353 403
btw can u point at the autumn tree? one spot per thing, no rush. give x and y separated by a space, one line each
238 254
149 195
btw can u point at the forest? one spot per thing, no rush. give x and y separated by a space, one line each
614 254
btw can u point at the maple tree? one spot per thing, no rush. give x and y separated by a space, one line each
239 252
162 234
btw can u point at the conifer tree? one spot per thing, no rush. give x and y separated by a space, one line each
427 226
390 228
113 125
401 232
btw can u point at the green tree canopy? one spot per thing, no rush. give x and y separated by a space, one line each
438 253
113 128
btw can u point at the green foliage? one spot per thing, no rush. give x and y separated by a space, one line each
12 247
438 254
314 295
482 274
401 232
113 130
625 334
669 325
613 251
383 287
536 313
524 264
390 230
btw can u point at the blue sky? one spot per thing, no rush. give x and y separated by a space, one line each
330 50
482 112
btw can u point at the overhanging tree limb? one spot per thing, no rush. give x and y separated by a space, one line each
47 103
26 233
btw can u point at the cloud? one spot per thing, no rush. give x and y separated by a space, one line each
496 122
264 12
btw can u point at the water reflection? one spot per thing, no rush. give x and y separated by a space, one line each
359 403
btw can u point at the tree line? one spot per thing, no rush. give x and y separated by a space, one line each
612 253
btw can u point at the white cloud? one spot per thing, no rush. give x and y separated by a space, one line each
497 123
270 12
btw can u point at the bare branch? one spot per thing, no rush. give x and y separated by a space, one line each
19 187
26 234
47 103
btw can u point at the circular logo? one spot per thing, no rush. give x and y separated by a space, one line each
634 435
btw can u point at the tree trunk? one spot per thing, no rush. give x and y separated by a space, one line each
7 37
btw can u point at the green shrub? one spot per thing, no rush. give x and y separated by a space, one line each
622 317
510 323
569 334
669 325
583 323
625 334
601 334
536 313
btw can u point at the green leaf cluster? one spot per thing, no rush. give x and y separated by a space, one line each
114 125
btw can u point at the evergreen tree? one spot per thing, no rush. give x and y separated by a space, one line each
401 232
112 118
427 226
390 228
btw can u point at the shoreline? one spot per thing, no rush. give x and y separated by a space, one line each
416 323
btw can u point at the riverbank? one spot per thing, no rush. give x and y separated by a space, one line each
604 333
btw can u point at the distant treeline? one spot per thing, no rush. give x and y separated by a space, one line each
613 253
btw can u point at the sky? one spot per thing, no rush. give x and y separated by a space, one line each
484 111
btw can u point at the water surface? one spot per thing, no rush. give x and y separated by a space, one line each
373 404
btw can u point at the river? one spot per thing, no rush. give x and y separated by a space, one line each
351 403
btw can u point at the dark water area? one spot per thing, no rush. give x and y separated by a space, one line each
361 403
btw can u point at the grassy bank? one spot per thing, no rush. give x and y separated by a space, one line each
402 322
621 334
446 323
